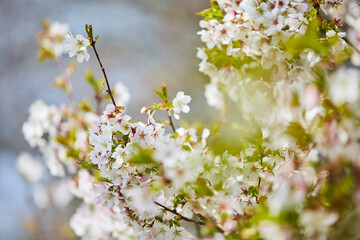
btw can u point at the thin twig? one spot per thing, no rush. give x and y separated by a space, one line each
187 219
259 182
171 123
103 70
178 214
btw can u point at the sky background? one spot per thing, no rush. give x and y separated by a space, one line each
143 43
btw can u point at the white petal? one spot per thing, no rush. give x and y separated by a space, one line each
87 56
180 94
176 115
185 108
80 58
126 118
186 99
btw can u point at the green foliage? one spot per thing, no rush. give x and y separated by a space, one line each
233 236
186 147
105 180
95 84
88 165
89 31
174 223
44 54
202 189
85 106
214 12
253 191
178 200
336 192
156 186
311 14
159 218
143 157
162 93
221 60
288 216
310 40
303 139
239 135
219 186
68 139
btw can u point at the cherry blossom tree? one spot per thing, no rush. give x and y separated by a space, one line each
281 161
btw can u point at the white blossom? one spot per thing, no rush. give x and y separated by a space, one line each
180 103
344 85
77 46
30 168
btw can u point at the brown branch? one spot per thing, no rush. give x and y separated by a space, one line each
171 122
259 179
259 182
187 219
103 70
178 214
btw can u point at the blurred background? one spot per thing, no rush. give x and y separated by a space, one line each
143 43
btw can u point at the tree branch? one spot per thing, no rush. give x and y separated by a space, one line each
171 122
103 70
178 214
187 219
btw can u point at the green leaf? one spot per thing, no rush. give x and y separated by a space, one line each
221 60
173 223
105 180
162 93
219 186
164 90
179 199
85 105
253 191
303 139
310 40
214 12
89 78
100 83
96 85
143 157
232 236
186 147
202 189
159 218
87 165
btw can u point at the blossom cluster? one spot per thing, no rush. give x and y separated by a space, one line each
304 102
51 40
271 41
61 136
77 46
